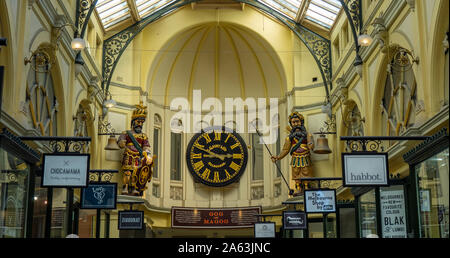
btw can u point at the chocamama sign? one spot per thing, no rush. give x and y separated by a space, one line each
63 170
365 169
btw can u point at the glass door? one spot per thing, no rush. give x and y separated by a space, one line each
433 196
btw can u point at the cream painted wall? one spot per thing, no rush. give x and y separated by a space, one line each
419 30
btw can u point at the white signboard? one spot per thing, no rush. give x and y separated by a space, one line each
65 170
365 169
320 201
393 214
265 230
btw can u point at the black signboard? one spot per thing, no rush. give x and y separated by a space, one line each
294 220
131 220
99 196
243 217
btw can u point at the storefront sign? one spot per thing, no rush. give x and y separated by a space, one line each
99 196
320 201
65 170
294 220
393 214
265 230
131 220
214 218
365 169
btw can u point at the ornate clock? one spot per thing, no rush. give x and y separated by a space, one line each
217 156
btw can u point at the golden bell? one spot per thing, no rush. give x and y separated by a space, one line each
322 145
112 143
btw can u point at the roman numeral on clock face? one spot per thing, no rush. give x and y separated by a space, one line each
196 155
237 156
228 137
207 138
216 177
205 174
217 136
234 145
235 166
198 165
227 174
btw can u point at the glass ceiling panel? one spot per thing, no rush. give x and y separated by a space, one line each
147 7
320 12
112 11
323 12
285 7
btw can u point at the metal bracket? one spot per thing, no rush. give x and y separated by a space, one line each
84 11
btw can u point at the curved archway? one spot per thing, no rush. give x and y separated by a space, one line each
114 46
437 68
6 56
222 59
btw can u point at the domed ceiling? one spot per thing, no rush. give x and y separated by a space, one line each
223 60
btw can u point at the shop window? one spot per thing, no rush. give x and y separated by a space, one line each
14 177
433 196
347 225
367 214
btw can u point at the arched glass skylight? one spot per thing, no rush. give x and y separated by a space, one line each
320 12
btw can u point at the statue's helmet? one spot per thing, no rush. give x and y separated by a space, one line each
140 112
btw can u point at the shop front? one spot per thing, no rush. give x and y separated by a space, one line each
16 186
416 206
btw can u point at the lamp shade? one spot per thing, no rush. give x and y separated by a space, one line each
364 40
78 44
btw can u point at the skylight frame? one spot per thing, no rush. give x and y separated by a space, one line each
322 13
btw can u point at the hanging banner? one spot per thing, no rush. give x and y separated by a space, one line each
131 220
365 169
99 196
320 201
294 220
214 218
393 214
265 230
65 170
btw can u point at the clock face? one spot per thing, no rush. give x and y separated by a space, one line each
217 156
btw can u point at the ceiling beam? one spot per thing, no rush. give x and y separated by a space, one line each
302 10
133 10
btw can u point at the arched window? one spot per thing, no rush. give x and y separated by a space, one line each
40 97
399 98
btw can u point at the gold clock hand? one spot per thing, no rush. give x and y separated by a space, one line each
211 153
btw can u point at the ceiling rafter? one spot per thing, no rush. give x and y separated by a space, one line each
133 10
